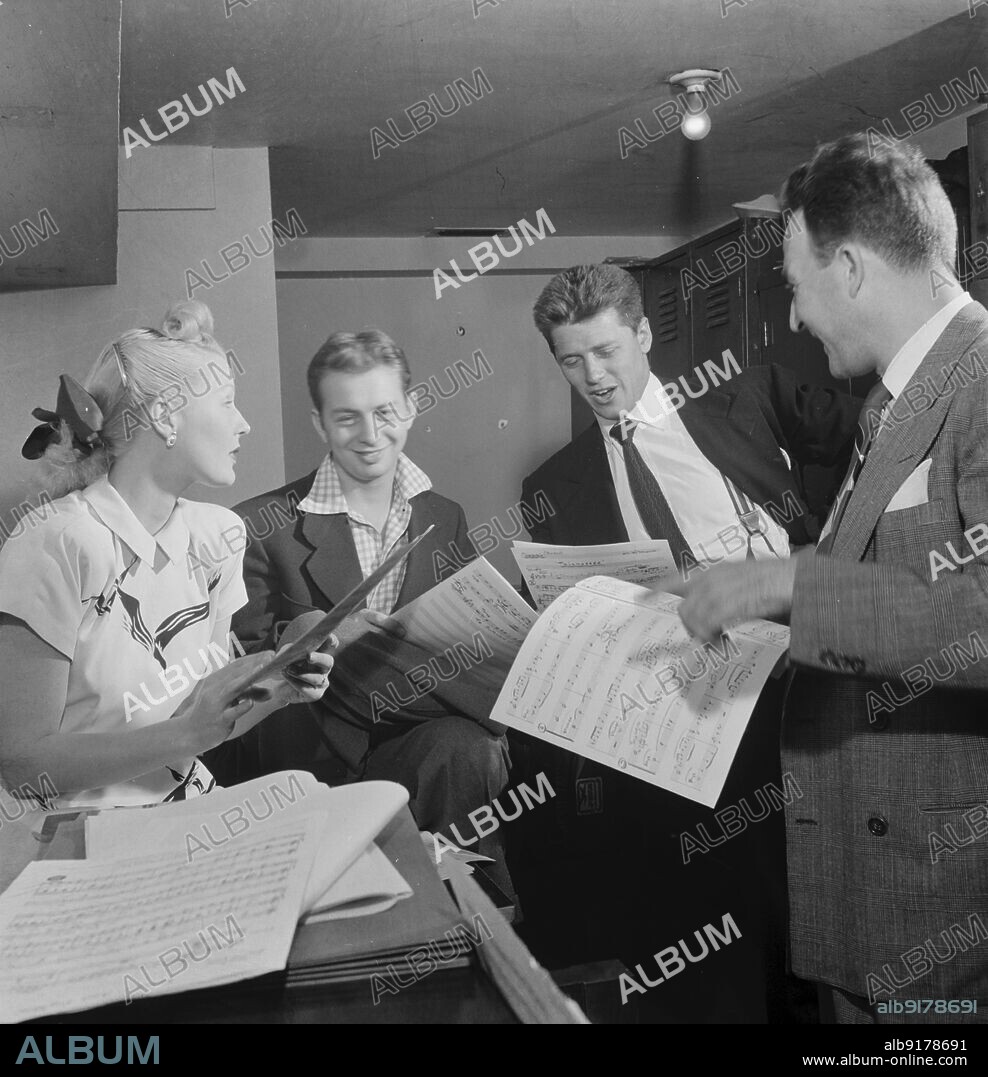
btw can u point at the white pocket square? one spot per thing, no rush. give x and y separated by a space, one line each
913 491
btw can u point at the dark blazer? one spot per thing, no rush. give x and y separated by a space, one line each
297 561
739 427
310 561
884 766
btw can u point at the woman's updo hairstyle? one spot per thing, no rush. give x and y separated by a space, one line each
142 366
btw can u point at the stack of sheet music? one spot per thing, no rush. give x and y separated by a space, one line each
386 944
193 894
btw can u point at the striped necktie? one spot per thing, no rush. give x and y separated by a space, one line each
869 422
656 516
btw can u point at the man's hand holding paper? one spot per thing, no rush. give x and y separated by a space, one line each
726 595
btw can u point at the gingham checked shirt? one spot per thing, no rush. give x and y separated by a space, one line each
326 497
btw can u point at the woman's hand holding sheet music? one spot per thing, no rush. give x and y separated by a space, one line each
218 708
212 709
302 682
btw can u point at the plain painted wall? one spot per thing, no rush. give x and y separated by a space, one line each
479 444
476 446
47 333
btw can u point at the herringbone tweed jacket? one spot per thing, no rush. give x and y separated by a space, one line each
886 723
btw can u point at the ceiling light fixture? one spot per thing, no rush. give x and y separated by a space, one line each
696 121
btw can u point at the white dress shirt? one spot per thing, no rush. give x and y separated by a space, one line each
692 486
906 361
897 376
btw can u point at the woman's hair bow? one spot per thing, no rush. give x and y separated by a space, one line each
75 407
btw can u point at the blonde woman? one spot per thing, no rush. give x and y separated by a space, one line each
115 609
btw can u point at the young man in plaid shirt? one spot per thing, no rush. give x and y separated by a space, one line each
314 539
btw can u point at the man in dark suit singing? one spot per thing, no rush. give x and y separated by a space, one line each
884 725
392 714
721 460
712 466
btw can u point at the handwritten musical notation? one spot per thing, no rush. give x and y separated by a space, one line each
548 570
475 599
81 933
609 672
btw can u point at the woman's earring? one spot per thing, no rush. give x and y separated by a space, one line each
171 439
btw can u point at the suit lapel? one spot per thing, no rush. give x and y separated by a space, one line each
705 420
419 573
905 440
725 433
333 566
587 496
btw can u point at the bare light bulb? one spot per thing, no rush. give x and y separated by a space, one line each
696 122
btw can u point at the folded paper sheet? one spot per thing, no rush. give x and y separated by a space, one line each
370 885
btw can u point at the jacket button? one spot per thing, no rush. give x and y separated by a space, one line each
878 826
880 721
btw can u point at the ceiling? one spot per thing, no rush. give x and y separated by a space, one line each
564 75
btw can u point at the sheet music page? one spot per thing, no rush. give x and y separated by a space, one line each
550 570
477 599
115 832
609 672
192 829
371 884
81 933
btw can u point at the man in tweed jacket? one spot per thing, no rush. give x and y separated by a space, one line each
884 726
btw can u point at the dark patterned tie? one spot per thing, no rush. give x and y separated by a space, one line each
869 422
652 506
